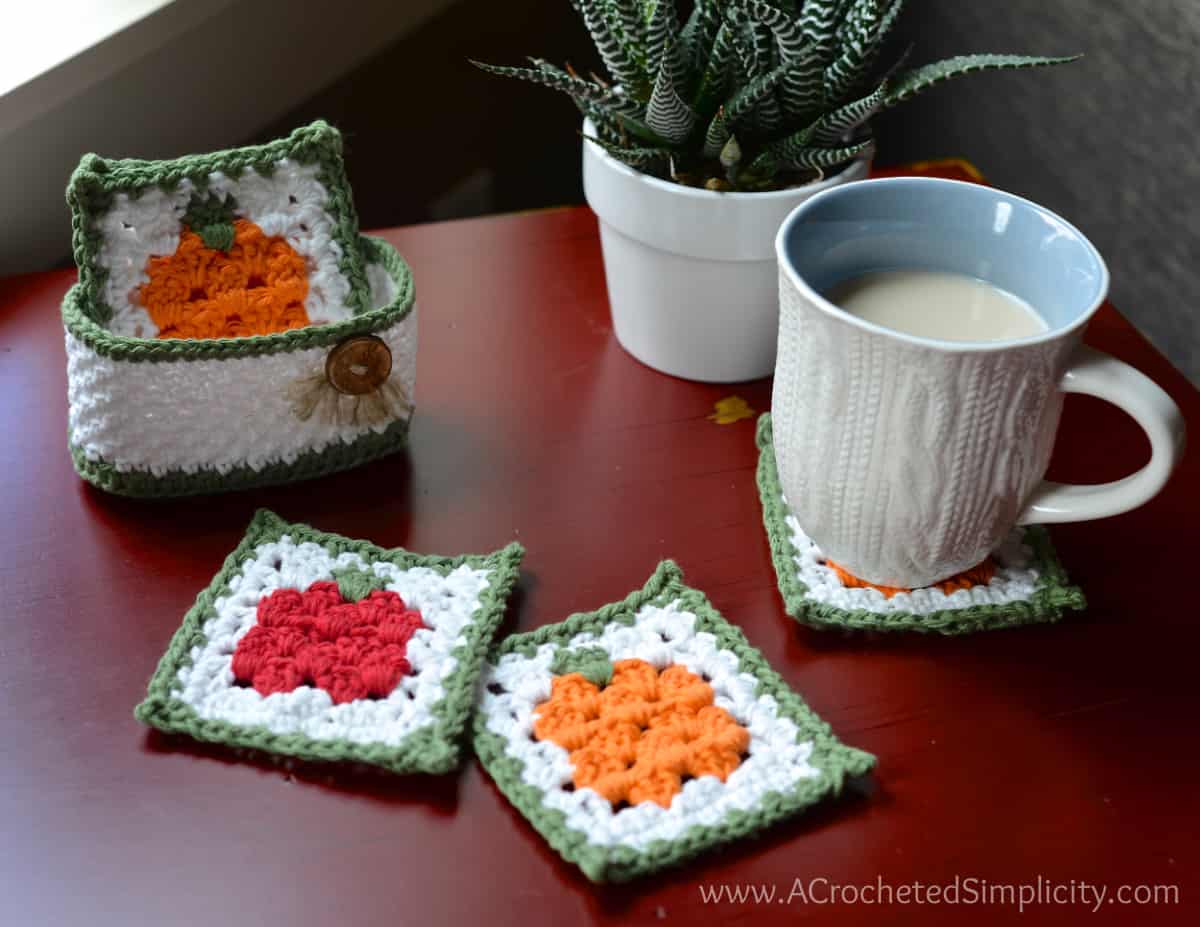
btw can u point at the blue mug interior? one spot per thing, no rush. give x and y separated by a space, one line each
946 225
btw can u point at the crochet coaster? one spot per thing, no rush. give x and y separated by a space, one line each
230 328
648 731
171 249
1023 584
314 646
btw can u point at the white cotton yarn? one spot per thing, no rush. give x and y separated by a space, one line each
448 606
1015 580
238 410
660 635
290 203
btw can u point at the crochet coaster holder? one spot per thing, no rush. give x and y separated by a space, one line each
230 328
314 646
1022 583
649 731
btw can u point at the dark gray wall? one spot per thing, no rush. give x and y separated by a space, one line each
1111 142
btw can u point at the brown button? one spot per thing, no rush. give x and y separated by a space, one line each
359 365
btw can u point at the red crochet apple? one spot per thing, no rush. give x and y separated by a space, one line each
316 638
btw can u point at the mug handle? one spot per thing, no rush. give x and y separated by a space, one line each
1107 378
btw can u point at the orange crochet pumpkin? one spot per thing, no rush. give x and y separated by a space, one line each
256 286
979 575
639 737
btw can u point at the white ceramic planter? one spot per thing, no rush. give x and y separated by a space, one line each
692 276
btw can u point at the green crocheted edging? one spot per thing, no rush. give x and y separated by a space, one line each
1048 603
96 182
436 748
146 485
835 760
377 251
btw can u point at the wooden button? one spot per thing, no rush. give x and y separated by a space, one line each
359 365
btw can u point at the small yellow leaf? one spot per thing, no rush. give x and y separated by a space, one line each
730 409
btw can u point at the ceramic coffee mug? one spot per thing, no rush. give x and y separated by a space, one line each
909 459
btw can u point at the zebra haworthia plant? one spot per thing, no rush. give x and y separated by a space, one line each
743 94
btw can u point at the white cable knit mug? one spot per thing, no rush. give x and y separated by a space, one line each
909 459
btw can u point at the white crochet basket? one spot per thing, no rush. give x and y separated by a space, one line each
156 414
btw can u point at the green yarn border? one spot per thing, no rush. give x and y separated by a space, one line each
99 339
96 181
143 484
433 749
1051 599
835 760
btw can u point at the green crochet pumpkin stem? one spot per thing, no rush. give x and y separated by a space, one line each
212 219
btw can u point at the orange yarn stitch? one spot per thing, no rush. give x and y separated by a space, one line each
637 738
258 287
979 575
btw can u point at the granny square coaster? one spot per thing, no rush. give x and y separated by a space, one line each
145 232
1023 583
318 647
648 731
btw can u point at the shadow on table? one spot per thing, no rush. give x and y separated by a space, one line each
437 793
373 493
991 642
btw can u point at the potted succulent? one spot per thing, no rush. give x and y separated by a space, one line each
709 130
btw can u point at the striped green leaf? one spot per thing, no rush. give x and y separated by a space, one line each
820 158
668 115
908 84
633 24
784 28
769 114
716 135
888 20
662 26
882 31
745 62
608 126
633 156
819 21
859 39
793 155
742 108
699 33
833 126
622 65
616 112
744 101
622 19
741 75
804 42
800 93
716 73
746 67
549 76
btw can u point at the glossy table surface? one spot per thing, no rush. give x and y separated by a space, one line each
1064 752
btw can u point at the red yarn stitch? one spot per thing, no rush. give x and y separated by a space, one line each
352 650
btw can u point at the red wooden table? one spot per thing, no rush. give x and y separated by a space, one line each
1064 752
